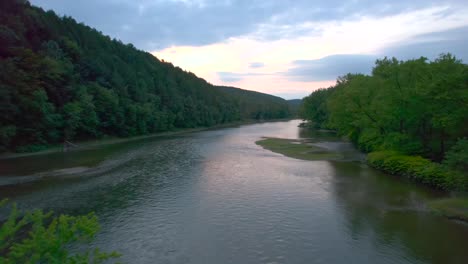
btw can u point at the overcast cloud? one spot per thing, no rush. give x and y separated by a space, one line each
297 41
158 24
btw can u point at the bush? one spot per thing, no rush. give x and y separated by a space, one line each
419 169
38 237
368 140
457 157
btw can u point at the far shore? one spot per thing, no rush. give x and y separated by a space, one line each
113 140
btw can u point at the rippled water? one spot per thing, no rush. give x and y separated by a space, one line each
217 197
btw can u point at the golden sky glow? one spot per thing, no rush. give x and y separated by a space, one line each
286 48
360 36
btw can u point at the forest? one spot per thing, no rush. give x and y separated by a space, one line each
412 116
61 80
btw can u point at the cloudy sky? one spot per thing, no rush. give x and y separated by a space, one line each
281 47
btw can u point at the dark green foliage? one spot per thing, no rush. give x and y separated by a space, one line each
38 237
457 157
415 107
60 80
258 106
314 107
410 166
418 169
294 105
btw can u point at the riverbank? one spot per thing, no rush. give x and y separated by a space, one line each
113 140
416 168
177 189
424 171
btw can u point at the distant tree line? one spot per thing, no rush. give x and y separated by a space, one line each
294 105
415 107
62 80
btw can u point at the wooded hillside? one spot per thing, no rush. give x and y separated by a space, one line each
62 80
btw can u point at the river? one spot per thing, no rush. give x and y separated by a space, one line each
216 197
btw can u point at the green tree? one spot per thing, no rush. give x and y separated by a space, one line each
410 114
38 237
89 85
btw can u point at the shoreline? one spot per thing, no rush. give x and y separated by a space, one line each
454 207
85 144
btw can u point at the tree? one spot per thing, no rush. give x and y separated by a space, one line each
88 85
38 237
415 106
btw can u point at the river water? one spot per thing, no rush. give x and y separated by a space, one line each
216 197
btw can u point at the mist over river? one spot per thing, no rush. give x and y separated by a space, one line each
217 197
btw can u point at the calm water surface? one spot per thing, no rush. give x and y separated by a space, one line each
217 197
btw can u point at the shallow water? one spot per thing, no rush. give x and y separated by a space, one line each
217 197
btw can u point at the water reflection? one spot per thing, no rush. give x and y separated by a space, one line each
391 214
217 197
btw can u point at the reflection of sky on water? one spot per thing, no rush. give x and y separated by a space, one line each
217 197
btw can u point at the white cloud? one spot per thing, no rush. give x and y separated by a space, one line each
210 36
361 35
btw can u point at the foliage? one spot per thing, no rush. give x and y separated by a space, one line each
415 107
457 157
314 107
258 106
61 80
294 105
38 237
419 169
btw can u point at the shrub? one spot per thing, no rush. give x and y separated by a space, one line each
457 157
419 169
38 237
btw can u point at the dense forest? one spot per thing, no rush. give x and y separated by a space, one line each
294 105
62 80
416 108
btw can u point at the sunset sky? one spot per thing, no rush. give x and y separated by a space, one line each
285 48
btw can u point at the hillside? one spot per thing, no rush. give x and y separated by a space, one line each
62 80
294 105
255 105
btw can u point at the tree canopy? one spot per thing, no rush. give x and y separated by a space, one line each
38 237
418 107
62 80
